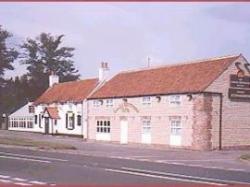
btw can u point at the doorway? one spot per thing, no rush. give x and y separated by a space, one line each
124 131
46 125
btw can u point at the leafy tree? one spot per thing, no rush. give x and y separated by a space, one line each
7 54
7 57
44 55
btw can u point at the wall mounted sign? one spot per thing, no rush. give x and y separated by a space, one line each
239 88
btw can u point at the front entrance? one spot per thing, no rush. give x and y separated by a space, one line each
124 131
46 125
175 133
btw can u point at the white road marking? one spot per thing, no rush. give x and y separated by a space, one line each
22 184
19 179
5 181
26 159
235 169
201 166
36 157
141 156
187 176
201 160
4 176
38 182
162 177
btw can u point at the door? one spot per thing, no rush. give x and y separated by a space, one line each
46 125
175 134
124 131
146 130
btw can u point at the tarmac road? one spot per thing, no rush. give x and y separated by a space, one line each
27 167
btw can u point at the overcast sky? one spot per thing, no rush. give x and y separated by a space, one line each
125 34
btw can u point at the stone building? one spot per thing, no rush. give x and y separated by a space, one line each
201 105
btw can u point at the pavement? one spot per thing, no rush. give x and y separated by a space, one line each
109 163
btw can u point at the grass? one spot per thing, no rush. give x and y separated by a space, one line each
31 143
245 157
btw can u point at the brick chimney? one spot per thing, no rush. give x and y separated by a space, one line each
53 79
103 71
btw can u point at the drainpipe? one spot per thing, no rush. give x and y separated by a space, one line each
82 119
220 122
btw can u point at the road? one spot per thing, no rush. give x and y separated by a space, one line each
26 167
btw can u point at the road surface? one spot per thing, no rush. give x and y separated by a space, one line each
27 167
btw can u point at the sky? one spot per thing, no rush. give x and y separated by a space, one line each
126 34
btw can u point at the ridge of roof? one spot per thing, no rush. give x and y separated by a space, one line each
75 81
189 62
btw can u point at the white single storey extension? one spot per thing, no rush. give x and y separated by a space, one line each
23 119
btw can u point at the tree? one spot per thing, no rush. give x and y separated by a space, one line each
44 55
7 54
7 57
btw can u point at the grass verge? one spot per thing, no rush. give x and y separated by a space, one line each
31 143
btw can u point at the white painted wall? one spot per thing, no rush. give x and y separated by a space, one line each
23 113
60 127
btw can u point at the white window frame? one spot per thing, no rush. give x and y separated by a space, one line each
174 99
103 127
175 126
96 103
70 123
109 102
146 100
146 125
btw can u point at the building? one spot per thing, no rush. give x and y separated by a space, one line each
23 119
202 105
62 109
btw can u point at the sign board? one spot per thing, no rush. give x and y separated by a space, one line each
239 88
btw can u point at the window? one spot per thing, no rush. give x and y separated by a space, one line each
40 121
109 102
55 122
79 120
35 119
146 125
70 120
175 124
175 99
146 100
29 122
96 103
31 109
103 127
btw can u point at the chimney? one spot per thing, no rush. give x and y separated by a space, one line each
103 71
53 79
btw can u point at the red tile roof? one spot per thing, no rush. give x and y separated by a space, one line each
53 112
180 78
74 91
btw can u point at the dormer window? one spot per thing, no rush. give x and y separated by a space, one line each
175 99
146 100
109 102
